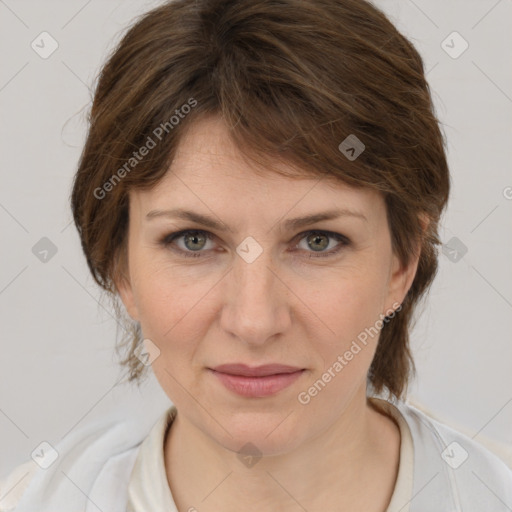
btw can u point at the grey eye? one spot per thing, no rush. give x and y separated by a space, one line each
317 241
194 240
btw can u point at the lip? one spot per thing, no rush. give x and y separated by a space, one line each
258 381
255 371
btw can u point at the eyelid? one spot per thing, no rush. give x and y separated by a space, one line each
168 239
342 240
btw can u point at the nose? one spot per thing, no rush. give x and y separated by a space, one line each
255 308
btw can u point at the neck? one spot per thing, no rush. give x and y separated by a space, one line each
354 462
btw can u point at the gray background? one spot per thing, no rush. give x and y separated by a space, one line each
58 369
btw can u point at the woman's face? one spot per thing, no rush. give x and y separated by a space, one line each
257 288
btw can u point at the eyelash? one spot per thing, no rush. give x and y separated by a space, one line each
167 240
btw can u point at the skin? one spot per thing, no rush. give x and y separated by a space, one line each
285 307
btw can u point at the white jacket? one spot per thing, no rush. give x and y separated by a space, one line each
452 473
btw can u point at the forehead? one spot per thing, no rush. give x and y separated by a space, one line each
209 172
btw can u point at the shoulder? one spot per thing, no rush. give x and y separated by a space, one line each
453 465
84 464
14 484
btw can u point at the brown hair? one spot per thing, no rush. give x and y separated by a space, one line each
292 79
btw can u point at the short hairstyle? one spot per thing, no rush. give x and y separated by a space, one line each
291 79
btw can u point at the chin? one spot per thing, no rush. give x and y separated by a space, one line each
264 433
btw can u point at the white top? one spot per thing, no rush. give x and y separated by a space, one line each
119 467
148 488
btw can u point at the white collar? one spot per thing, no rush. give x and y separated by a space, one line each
148 488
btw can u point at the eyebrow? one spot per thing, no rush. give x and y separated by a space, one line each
289 224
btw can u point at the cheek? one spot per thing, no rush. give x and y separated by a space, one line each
349 307
174 318
350 310
175 310
161 312
349 301
164 293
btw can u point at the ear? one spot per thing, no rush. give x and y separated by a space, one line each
124 289
401 278
122 282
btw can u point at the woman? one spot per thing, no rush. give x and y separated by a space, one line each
261 188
